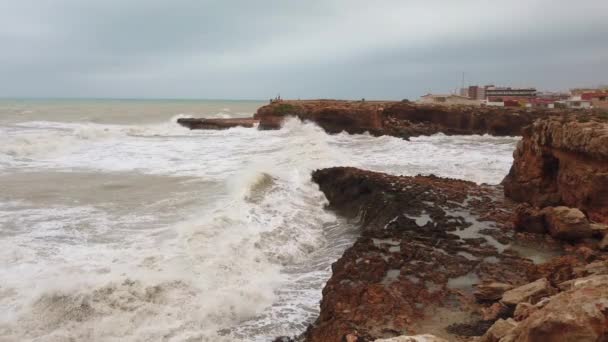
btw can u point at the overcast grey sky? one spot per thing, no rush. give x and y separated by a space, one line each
389 49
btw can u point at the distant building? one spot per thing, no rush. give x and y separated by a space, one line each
542 103
492 91
577 102
476 92
599 99
449 99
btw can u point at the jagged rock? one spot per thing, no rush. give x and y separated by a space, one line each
409 261
598 267
491 291
529 219
417 338
604 243
498 330
531 292
567 223
562 161
216 123
494 311
401 119
523 310
577 315
593 280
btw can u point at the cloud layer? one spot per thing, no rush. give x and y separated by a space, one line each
302 49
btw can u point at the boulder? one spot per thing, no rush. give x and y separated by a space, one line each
562 161
567 223
498 330
529 219
491 291
530 293
577 315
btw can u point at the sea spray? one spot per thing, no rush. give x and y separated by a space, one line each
151 231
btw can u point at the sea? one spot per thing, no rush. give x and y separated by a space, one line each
117 224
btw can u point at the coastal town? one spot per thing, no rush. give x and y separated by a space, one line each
528 97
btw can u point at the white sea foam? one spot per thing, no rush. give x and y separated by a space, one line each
240 252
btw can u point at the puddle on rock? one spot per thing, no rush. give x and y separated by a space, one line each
464 282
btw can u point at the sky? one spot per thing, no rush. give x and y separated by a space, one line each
256 49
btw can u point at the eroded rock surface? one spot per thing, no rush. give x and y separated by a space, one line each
425 242
193 123
577 315
401 119
563 161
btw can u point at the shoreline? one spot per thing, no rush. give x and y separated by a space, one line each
461 261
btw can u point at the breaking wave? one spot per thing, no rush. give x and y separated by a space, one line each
240 253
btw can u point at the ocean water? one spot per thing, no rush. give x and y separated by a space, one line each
116 224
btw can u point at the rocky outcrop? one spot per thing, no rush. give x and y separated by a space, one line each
563 161
529 293
563 223
353 117
193 123
436 256
425 243
577 315
400 119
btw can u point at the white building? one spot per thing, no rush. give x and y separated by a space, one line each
449 99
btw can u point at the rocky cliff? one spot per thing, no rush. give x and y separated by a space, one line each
438 256
401 119
563 161
218 124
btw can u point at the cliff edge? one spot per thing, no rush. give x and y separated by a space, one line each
563 161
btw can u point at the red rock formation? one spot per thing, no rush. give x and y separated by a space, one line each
332 116
410 264
577 315
216 123
401 119
562 161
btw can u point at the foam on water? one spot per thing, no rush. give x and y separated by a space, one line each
223 236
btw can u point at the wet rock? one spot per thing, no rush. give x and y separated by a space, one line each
421 250
577 315
216 124
499 330
561 268
529 219
417 338
561 161
491 291
567 223
531 292
400 119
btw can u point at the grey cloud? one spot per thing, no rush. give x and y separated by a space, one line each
337 48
